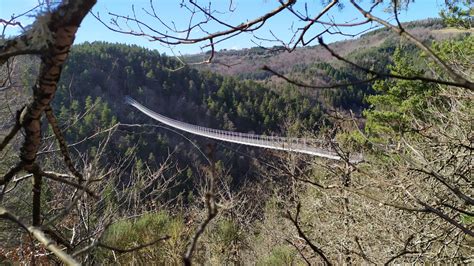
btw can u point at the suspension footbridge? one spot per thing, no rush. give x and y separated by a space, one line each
301 145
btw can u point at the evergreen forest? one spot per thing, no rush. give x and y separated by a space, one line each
86 178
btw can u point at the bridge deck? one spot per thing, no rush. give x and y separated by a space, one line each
307 146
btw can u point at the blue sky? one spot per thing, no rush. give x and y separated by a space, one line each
170 11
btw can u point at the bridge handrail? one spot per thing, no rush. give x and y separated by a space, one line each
302 145
193 128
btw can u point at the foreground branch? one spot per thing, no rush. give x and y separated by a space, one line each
10 136
380 75
63 179
459 80
166 38
305 85
62 143
11 173
301 234
40 236
211 212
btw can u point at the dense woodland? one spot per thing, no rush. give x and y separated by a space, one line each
409 201
112 71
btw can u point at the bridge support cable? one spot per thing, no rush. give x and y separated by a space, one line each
269 142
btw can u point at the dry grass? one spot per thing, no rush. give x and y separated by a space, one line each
454 30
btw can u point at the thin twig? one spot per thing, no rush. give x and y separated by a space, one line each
295 222
380 75
64 179
305 85
460 81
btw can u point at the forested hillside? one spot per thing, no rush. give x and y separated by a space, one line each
85 178
315 66
98 76
112 71
247 63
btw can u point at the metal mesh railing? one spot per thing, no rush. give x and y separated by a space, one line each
302 145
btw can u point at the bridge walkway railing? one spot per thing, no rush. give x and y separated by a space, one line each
302 145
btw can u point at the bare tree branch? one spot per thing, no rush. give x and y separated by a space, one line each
295 221
446 218
40 236
211 210
461 81
174 40
311 23
300 251
304 85
380 75
405 251
11 173
37 178
62 143
9 136
442 180
64 179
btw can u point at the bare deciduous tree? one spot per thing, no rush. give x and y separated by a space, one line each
429 186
